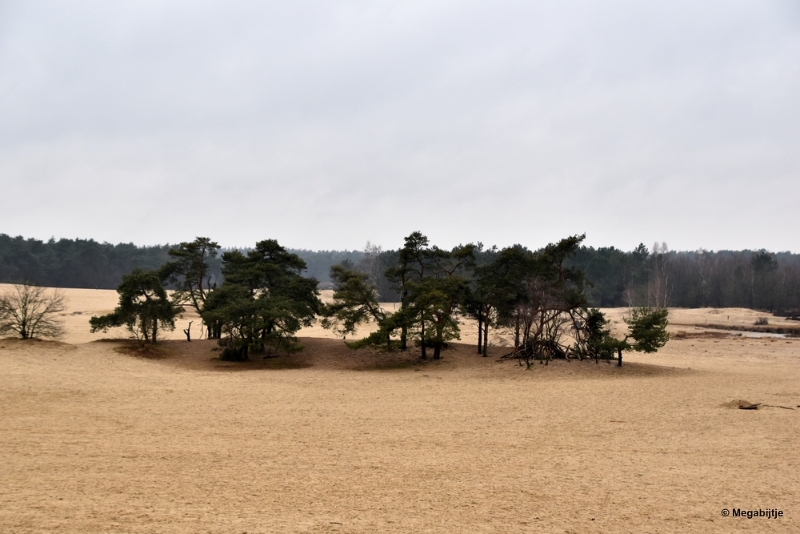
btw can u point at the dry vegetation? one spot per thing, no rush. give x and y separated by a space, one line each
96 436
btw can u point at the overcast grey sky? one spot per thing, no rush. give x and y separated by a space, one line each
327 124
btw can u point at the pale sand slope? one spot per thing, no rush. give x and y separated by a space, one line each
93 440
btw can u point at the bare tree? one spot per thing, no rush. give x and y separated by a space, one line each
659 287
31 312
370 263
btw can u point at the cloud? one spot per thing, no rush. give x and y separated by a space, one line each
328 124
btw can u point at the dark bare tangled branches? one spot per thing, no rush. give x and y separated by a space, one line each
32 312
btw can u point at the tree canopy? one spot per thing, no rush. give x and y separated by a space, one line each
144 307
540 295
263 301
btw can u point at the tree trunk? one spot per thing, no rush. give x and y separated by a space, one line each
403 327
480 329
516 333
485 338
422 342
619 354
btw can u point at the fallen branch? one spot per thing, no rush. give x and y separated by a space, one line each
776 406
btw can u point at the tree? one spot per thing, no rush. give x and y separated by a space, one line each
434 302
646 326
433 285
659 287
144 307
412 261
764 281
370 264
501 283
263 302
435 297
485 293
551 302
598 341
189 271
32 312
355 302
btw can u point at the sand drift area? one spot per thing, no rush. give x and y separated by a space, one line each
95 438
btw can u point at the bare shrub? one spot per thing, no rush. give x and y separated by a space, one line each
32 312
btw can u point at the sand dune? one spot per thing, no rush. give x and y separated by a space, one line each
94 438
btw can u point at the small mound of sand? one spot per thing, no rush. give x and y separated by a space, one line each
17 343
741 404
149 351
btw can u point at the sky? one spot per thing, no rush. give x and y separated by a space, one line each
325 125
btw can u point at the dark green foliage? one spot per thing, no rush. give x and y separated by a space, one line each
434 301
433 284
77 262
319 262
412 261
598 342
752 279
143 309
188 271
263 302
648 328
436 298
485 293
355 302
381 338
550 301
759 280
765 293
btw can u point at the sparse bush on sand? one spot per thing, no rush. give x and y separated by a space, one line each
32 312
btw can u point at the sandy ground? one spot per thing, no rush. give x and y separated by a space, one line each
94 438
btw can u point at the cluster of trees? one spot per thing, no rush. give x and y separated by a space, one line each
536 294
262 302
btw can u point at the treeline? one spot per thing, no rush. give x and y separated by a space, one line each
319 262
656 277
748 279
661 278
85 263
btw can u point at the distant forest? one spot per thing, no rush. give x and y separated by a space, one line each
658 277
